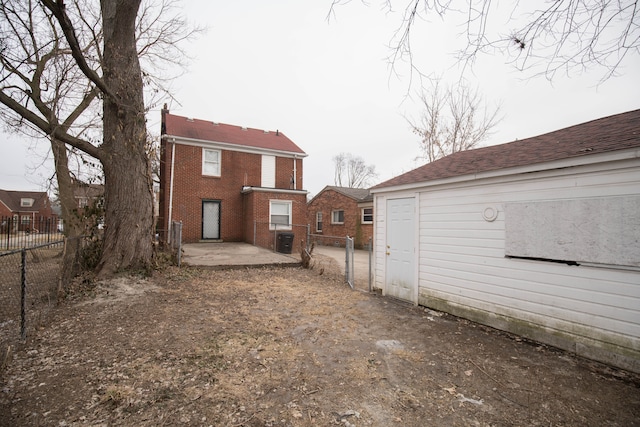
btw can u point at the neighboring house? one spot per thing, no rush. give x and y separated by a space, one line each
26 211
86 194
230 183
540 237
337 212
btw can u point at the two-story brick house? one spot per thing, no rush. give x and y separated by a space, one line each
337 212
230 183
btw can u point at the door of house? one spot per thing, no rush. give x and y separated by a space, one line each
400 253
211 219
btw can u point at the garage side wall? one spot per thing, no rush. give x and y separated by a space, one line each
592 310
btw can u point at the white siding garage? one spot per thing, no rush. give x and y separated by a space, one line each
550 251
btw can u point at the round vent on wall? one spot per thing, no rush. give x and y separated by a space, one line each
490 213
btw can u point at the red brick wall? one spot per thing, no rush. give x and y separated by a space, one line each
4 211
191 188
284 173
257 215
330 200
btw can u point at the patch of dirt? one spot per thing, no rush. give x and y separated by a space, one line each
292 347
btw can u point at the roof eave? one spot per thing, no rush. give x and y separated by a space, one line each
610 156
232 147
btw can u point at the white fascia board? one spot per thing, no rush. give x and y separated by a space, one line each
613 156
231 147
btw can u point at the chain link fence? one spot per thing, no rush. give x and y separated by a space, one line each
322 240
170 241
28 291
175 242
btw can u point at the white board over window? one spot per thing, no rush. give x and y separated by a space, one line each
603 230
268 171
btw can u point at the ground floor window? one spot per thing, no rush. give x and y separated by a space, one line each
367 216
337 217
319 222
280 214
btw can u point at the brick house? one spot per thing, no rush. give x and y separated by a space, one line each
230 183
86 194
26 210
337 212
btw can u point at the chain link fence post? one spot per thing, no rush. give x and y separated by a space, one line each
349 268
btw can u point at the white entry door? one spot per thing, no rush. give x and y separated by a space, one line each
400 252
211 219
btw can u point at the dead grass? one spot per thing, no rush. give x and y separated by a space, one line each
291 347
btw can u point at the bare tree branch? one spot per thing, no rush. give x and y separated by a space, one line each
560 36
47 128
453 119
58 10
352 171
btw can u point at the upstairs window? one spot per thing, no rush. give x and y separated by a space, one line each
319 222
337 217
210 162
367 216
26 202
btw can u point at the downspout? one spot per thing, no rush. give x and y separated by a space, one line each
173 163
295 173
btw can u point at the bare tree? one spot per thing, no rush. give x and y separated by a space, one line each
453 120
352 171
52 51
549 37
68 69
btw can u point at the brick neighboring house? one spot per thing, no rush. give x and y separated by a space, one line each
26 211
87 194
337 212
230 183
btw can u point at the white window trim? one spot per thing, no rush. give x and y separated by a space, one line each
273 226
204 162
318 221
362 220
335 222
26 202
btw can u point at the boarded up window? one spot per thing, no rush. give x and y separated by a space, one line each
597 230
268 171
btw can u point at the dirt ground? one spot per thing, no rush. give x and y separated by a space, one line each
291 347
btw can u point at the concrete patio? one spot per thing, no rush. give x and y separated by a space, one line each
234 255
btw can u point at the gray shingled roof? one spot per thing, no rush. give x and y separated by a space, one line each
357 194
612 133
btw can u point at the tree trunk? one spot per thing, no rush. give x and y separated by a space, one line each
128 238
72 227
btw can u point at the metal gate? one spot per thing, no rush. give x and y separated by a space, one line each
349 263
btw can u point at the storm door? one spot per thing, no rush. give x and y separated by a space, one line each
211 219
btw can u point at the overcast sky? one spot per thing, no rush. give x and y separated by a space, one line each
327 85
